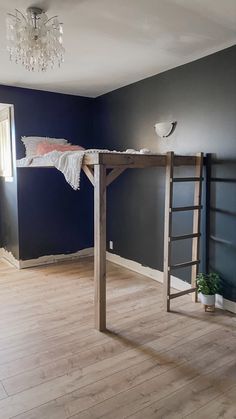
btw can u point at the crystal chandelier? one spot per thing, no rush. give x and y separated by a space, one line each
34 40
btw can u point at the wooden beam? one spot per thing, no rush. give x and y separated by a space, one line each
132 161
180 293
184 160
186 179
112 160
184 264
191 208
197 222
89 173
121 159
185 237
114 175
100 246
208 210
168 228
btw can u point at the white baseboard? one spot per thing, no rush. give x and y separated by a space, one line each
225 304
146 271
8 256
176 283
44 260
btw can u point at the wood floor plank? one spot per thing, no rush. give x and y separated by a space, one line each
110 349
84 326
124 392
129 402
3 393
201 392
54 365
223 406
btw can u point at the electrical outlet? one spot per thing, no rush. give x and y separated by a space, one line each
111 245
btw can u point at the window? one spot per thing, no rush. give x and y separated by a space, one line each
5 143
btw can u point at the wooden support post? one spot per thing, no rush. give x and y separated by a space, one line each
168 228
114 174
89 173
208 210
100 246
197 222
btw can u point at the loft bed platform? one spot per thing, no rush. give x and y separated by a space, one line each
130 160
111 160
95 165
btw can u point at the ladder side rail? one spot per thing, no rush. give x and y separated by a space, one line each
197 222
168 227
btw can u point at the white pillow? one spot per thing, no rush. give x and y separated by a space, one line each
31 143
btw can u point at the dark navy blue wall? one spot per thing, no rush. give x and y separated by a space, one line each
53 218
201 97
9 238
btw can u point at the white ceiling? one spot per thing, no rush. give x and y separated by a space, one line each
112 43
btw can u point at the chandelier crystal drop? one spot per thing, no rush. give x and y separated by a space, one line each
34 40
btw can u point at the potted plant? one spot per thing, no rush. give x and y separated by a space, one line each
208 285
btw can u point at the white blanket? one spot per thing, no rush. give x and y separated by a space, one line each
68 162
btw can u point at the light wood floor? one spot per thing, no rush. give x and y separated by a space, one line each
151 364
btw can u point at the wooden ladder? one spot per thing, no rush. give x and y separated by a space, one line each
195 235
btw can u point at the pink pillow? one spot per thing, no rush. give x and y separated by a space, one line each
45 147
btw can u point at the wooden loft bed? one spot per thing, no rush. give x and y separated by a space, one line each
102 168
95 167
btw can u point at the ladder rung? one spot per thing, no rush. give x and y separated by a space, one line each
184 264
178 294
192 208
185 236
187 179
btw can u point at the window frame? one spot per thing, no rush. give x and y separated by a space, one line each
6 115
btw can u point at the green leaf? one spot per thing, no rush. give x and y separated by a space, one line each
208 284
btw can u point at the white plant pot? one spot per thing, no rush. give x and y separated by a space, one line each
208 300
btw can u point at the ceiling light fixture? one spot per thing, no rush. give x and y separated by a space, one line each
34 40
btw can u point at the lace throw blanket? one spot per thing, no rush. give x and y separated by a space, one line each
68 162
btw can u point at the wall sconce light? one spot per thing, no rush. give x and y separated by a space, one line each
165 129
